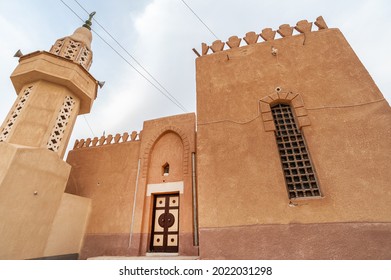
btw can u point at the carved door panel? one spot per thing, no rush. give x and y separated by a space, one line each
165 223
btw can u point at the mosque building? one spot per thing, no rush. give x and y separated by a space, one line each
287 157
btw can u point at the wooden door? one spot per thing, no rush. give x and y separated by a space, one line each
165 223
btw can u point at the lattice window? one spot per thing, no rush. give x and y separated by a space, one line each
16 112
72 49
299 173
56 48
61 124
85 58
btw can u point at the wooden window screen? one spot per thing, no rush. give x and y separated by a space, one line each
299 173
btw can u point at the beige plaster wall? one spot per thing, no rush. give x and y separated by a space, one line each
107 175
69 226
325 70
30 194
167 149
320 241
240 178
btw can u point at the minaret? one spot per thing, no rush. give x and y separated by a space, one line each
53 88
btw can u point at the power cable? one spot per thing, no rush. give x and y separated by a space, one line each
177 103
134 59
141 74
88 124
210 30
72 10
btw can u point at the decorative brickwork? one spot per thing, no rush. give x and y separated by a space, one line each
16 112
134 136
61 124
267 34
57 47
85 58
283 97
107 140
73 50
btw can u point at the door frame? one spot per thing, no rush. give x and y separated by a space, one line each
165 248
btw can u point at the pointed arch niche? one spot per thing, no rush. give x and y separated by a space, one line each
168 150
152 151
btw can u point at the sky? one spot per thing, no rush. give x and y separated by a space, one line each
160 34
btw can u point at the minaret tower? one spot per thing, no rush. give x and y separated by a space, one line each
53 88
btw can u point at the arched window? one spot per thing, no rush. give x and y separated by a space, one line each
299 173
166 169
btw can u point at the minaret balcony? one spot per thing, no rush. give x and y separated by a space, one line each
42 65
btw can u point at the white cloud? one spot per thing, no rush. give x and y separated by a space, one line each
15 38
366 29
156 47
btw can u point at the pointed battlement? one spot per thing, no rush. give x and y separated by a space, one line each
107 140
267 34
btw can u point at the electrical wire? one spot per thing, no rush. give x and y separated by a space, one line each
207 27
134 59
88 124
141 74
177 103
72 10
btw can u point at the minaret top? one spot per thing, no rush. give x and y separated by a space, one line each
82 35
88 22
77 47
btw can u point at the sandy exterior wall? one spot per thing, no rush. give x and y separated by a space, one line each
342 114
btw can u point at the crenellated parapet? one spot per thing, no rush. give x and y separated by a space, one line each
107 140
267 34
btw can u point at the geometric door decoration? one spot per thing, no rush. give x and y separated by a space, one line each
165 224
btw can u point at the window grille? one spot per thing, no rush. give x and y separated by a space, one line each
299 173
16 112
72 49
61 123
85 58
56 48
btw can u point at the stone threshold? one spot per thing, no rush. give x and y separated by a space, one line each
148 256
